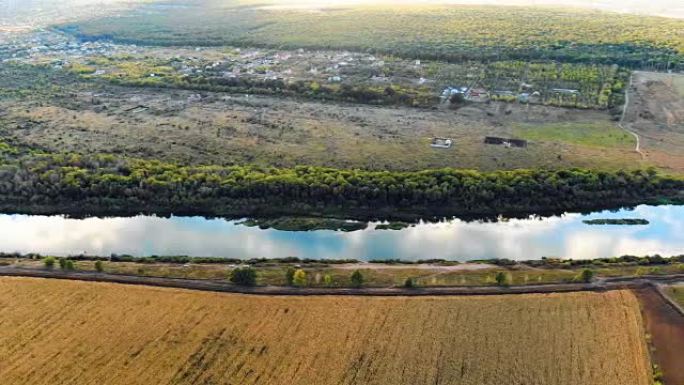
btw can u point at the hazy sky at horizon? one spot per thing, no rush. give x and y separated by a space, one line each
667 8
671 8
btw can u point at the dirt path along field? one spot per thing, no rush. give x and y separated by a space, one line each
66 332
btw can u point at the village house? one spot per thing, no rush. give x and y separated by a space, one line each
441 143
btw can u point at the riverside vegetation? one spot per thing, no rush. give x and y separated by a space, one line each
376 273
105 184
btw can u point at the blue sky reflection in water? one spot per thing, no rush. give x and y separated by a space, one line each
564 236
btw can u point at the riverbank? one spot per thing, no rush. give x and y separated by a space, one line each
108 185
618 283
336 274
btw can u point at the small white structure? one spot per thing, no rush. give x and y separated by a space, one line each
334 79
448 92
194 98
565 91
441 143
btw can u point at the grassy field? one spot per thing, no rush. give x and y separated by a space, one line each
60 332
375 275
592 134
677 293
60 114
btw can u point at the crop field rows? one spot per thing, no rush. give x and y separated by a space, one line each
62 332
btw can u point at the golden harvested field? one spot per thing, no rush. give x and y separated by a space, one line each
64 332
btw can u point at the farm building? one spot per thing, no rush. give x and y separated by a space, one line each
477 95
448 92
441 143
505 141
565 91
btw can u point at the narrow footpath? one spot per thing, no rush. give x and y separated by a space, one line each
622 118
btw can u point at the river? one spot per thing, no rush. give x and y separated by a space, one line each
564 236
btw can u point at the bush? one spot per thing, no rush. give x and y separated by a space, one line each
289 276
357 279
49 262
409 284
501 279
62 263
299 278
328 280
243 276
587 275
99 266
69 265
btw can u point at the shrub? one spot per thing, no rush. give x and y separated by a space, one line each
69 265
357 279
49 262
62 263
587 275
99 266
328 280
501 279
243 276
289 276
409 284
299 278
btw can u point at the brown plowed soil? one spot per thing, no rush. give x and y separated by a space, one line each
666 327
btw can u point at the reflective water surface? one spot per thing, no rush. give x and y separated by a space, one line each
562 236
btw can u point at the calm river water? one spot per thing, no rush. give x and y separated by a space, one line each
563 236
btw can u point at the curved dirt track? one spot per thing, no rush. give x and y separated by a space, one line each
622 120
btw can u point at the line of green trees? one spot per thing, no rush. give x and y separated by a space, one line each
109 185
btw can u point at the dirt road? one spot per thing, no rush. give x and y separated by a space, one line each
666 327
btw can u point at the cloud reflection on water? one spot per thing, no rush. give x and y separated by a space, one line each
564 236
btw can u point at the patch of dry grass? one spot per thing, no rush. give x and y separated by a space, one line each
63 332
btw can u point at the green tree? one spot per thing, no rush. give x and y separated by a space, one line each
328 280
501 278
289 276
299 278
243 276
357 279
62 263
69 265
49 262
587 275
457 100
99 266
409 284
